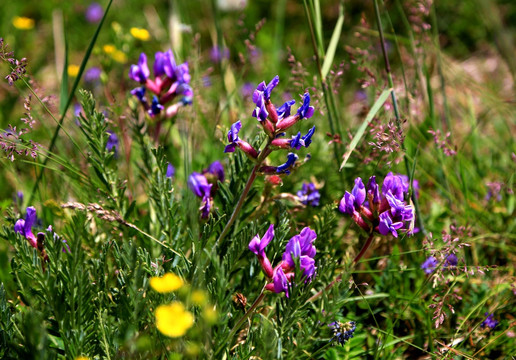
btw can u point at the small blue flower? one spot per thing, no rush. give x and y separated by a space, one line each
171 171
139 92
233 137
112 143
489 322
305 111
141 71
309 195
156 107
342 332
291 160
284 110
429 265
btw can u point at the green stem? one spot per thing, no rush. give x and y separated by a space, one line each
240 322
266 151
396 111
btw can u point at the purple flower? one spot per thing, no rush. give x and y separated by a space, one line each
280 281
394 184
291 160
141 71
429 265
139 92
406 185
305 111
217 54
451 260
260 111
217 169
301 246
309 195
490 322
387 226
351 203
112 143
257 245
92 74
298 141
24 227
159 63
373 190
268 90
199 184
171 171
247 90
284 110
233 136
94 13
398 208
156 107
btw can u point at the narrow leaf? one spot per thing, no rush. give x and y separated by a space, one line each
63 95
361 130
332 47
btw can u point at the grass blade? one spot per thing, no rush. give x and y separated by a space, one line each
361 130
332 47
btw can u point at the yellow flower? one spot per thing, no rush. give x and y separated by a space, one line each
23 23
169 282
73 70
210 315
82 358
173 320
109 48
140 34
119 56
198 297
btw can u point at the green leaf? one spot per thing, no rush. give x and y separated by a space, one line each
361 130
63 96
332 47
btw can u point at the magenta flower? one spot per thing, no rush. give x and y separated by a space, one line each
94 13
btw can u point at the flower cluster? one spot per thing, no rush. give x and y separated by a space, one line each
431 263
170 81
342 332
309 195
489 322
385 211
204 185
274 122
299 247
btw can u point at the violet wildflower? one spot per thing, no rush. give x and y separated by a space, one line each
384 212
299 247
170 81
451 260
171 171
285 168
216 169
94 12
284 110
112 143
24 226
489 322
92 74
342 332
205 185
429 265
18 198
309 195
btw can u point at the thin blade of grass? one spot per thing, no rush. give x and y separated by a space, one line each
361 130
63 95
332 47
70 97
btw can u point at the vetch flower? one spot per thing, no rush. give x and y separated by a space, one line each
429 265
141 71
167 283
218 53
284 110
92 74
173 320
155 107
171 171
305 111
24 226
489 322
257 246
309 195
301 246
451 260
199 184
285 168
112 143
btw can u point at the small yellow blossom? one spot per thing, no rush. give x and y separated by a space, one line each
119 56
173 320
73 70
198 297
82 358
168 283
210 315
140 34
109 48
23 23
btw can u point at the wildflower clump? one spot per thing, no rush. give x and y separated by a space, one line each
299 248
274 121
170 81
342 332
386 211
